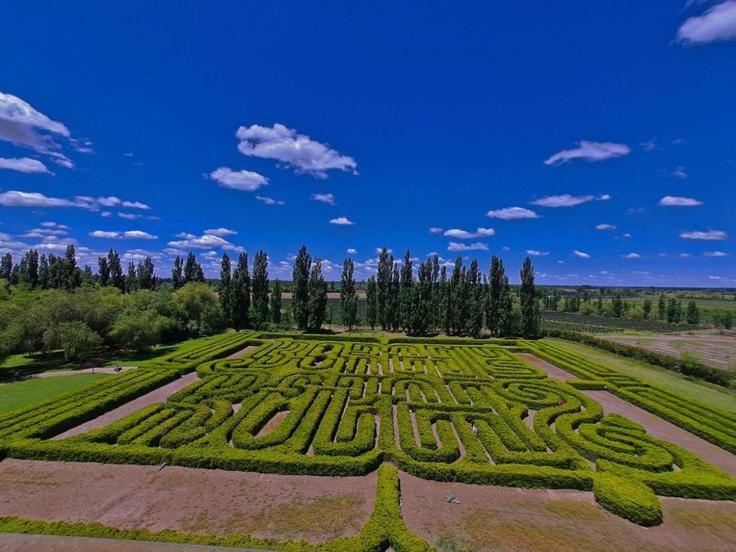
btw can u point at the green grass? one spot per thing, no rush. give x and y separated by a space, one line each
709 394
24 393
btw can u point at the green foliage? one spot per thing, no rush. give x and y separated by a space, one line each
140 329
200 306
628 498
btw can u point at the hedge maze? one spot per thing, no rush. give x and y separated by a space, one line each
448 410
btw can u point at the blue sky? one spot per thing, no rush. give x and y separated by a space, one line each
598 136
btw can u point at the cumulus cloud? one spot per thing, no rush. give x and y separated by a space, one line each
269 200
631 256
715 254
581 254
677 201
24 164
126 235
477 246
513 213
351 251
567 200
716 23
246 181
295 150
15 198
704 235
205 241
324 198
537 253
605 227
342 221
589 151
459 234
220 232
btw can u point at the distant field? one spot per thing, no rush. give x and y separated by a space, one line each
37 390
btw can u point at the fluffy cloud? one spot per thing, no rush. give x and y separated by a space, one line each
590 151
220 232
581 254
513 213
205 241
351 251
126 235
477 246
631 256
269 200
567 200
536 253
126 216
342 221
465 235
434 230
24 165
716 23
677 201
296 150
14 198
715 254
680 173
246 181
704 235
324 198
605 227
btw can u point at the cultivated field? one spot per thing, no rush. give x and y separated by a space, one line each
389 425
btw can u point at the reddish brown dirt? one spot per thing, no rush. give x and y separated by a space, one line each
275 421
519 520
157 395
552 370
665 430
197 501
243 352
33 543
716 350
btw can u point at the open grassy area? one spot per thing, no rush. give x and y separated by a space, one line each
25 393
687 387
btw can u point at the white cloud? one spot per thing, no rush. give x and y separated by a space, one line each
536 253
246 181
14 198
513 213
135 205
581 254
24 164
50 224
296 150
567 200
680 173
631 256
465 235
704 235
716 23
342 221
129 216
435 230
220 232
605 227
269 200
324 198
205 241
677 201
590 151
128 234
477 246
715 254
351 251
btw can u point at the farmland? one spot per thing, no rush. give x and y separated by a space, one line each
510 413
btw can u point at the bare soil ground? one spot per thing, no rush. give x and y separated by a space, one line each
519 520
157 395
654 425
13 542
243 352
715 350
96 370
198 501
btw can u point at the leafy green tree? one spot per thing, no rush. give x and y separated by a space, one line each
146 274
646 308
476 300
394 303
226 291
260 289
276 302
348 295
200 308
530 318
116 270
76 339
192 269
177 273
495 280
617 306
693 314
140 330
371 302
383 288
317 297
241 294
508 320
6 267
103 271
406 293
661 307
300 288
131 280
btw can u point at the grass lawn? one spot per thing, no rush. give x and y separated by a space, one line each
36 390
707 393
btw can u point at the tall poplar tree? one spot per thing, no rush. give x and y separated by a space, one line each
495 281
116 270
241 294
383 288
300 288
348 297
317 297
177 273
276 302
371 302
226 289
530 320
260 289
406 293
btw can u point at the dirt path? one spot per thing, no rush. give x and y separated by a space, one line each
654 425
157 395
206 501
14 542
519 520
102 370
244 352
